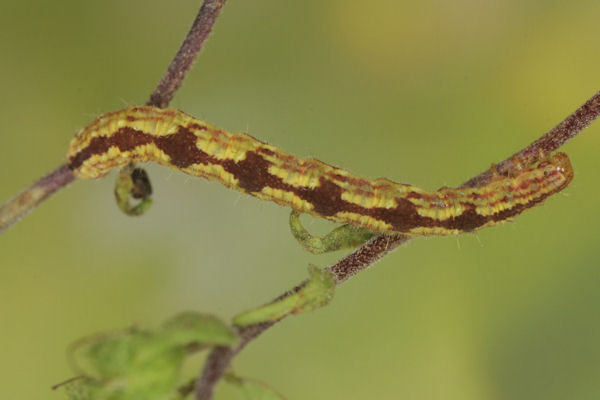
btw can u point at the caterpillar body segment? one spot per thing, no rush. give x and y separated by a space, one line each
174 139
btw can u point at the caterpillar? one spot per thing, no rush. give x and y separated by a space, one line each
174 139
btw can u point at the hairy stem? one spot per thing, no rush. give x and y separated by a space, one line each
549 142
16 208
221 357
185 57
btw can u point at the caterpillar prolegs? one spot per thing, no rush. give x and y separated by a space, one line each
174 139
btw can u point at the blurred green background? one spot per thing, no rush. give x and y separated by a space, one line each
428 93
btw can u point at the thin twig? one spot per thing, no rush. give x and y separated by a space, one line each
220 358
185 57
14 209
548 143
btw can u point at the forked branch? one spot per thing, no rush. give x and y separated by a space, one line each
220 358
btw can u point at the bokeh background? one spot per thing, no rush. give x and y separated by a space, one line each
428 92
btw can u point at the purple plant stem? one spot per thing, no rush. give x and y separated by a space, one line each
16 208
549 142
185 57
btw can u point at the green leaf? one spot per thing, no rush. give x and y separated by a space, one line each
192 327
133 183
317 293
342 237
142 364
251 389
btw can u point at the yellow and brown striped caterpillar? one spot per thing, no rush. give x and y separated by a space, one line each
239 161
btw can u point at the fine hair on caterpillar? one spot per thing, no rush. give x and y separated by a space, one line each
174 139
